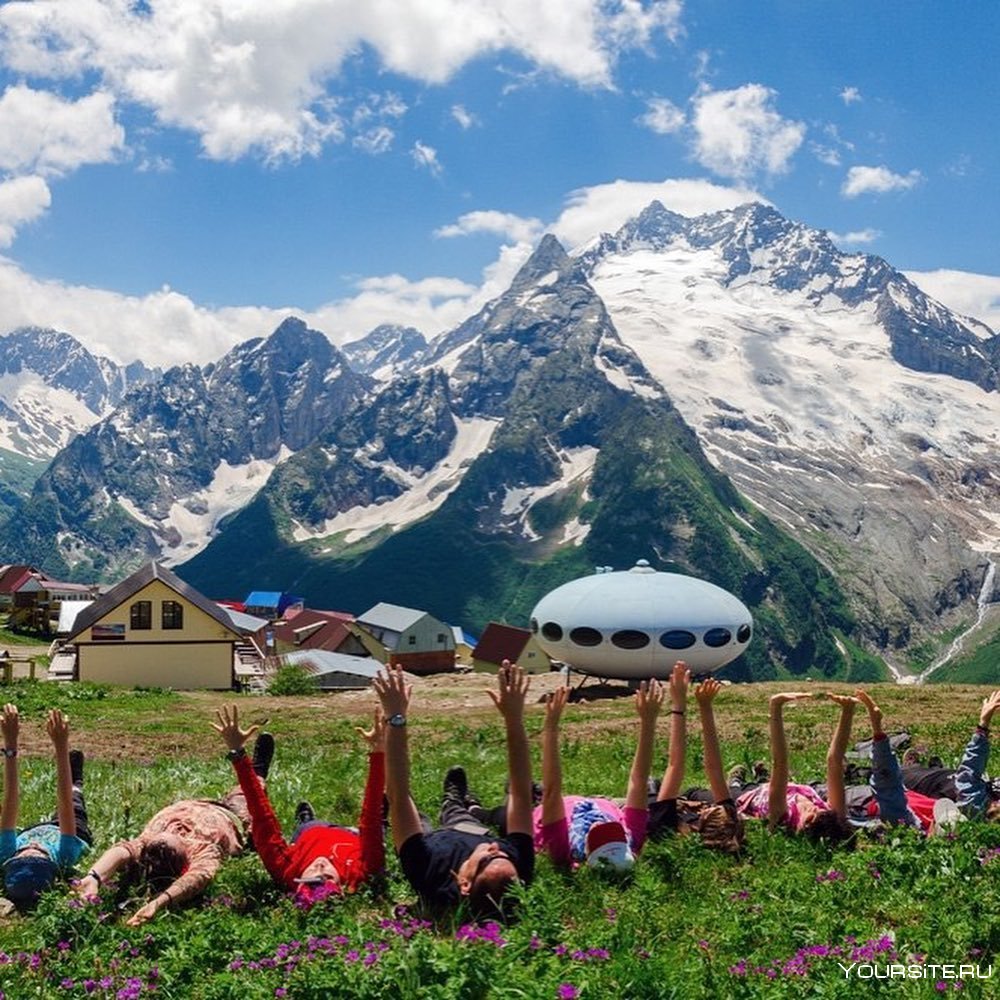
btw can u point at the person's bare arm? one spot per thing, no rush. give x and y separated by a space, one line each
648 699
836 793
778 784
57 727
10 727
673 776
512 689
705 694
103 868
394 696
553 809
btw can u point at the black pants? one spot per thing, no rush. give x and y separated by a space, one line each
79 813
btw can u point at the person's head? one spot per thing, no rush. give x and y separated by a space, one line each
484 877
319 880
721 828
607 847
26 875
163 859
828 826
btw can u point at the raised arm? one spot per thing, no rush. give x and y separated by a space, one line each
57 726
648 699
778 785
512 689
705 694
973 793
370 829
887 776
10 727
553 809
836 795
673 776
394 696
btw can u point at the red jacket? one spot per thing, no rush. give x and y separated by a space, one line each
356 856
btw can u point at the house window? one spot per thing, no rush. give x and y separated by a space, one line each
173 615
141 615
440 636
413 640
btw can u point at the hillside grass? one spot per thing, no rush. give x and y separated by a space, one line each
689 924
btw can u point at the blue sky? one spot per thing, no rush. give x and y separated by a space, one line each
178 176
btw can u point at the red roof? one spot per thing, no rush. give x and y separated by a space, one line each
11 577
501 642
309 629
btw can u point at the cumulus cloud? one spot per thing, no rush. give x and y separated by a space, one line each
22 200
505 224
662 116
877 180
258 77
604 208
969 294
426 156
42 133
856 236
739 134
850 95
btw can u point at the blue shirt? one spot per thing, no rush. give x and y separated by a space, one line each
61 848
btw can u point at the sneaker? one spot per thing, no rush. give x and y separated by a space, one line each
456 785
761 773
263 751
76 767
304 813
737 775
935 762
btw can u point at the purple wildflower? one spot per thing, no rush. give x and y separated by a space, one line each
567 991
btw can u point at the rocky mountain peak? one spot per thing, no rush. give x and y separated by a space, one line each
389 349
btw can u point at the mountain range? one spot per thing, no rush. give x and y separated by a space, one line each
728 395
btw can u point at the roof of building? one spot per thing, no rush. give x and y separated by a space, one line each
501 642
310 629
12 575
326 662
243 622
390 616
263 599
68 612
131 585
462 637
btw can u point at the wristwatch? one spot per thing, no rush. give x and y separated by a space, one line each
235 755
9 751
396 720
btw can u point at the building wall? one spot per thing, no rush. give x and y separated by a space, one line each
171 664
427 635
533 659
426 663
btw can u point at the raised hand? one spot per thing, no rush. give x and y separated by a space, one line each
649 699
228 727
374 737
10 725
843 700
706 691
990 705
392 690
874 712
512 689
554 705
57 726
680 680
784 697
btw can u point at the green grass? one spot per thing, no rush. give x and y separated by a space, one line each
689 924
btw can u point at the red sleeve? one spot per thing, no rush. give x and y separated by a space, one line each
267 838
370 825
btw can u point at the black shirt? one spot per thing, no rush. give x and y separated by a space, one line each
429 860
937 782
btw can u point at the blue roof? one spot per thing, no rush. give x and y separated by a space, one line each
263 599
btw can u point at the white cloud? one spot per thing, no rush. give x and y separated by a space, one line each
739 134
969 294
825 154
662 116
44 134
426 156
877 180
465 118
850 95
375 140
856 236
22 200
251 77
604 208
505 224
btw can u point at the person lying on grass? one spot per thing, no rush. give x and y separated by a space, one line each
716 820
799 808
322 858
460 862
35 857
182 848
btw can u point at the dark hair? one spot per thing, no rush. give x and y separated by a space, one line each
830 827
721 828
487 895
161 861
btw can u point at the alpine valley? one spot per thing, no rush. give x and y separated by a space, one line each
728 396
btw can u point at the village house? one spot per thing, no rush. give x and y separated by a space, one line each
416 640
505 642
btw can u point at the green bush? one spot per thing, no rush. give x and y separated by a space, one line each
292 679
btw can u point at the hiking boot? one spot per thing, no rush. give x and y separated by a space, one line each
737 775
456 785
760 771
263 751
935 762
304 813
76 767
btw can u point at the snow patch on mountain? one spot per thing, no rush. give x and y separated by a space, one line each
425 494
37 419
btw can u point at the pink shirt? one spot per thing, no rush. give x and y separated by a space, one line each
554 837
755 804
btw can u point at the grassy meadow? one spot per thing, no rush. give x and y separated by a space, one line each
777 922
